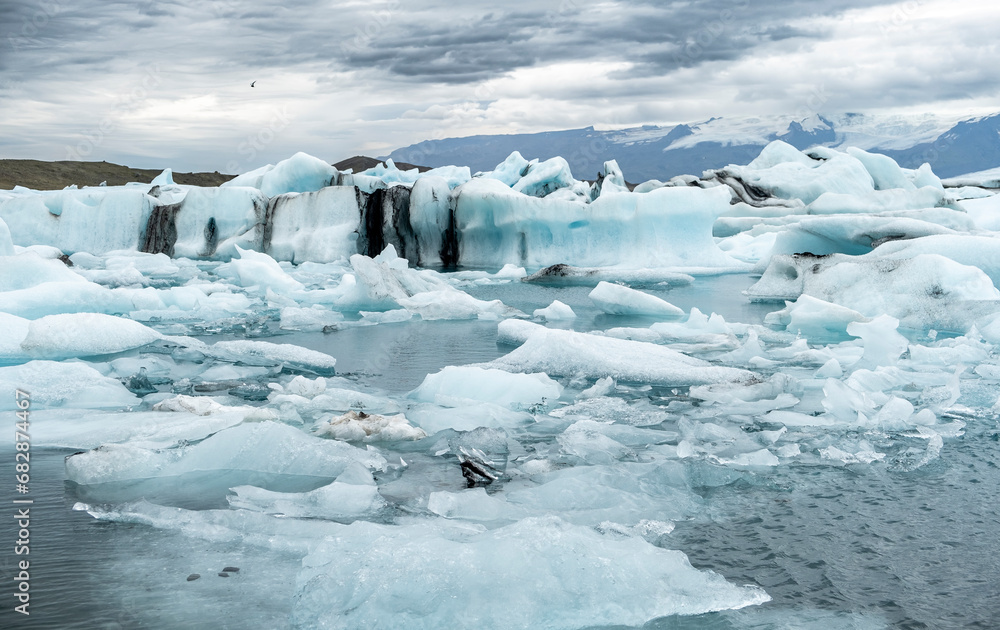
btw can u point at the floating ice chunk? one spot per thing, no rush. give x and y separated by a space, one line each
616 410
73 385
295 357
545 177
334 399
781 174
855 235
584 442
924 176
514 332
302 386
567 353
830 369
751 353
28 269
923 292
197 405
472 505
555 312
617 299
883 344
510 170
877 201
262 447
763 457
865 455
780 152
389 173
354 494
454 175
797 419
299 173
84 334
976 251
166 178
482 455
356 426
386 317
656 582
52 298
649 530
884 170
433 418
453 304
614 179
45 251
984 210
127 276
815 318
895 415
386 283
567 275
602 387
846 404
77 429
312 319
458 386
255 269
260 530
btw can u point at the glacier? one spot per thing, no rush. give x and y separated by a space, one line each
516 399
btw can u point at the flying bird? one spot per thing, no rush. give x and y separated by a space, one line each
252 84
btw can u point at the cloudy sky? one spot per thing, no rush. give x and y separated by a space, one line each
167 83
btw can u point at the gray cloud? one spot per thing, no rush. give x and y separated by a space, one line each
351 71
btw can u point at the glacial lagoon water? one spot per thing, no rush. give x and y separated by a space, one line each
882 544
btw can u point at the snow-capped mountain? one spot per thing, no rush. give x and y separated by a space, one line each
952 145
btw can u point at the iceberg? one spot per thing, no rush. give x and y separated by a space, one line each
555 311
584 574
353 494
94 220
927 291
616 299
666 228
84 334
28 269
358 426
568 353
210 223
299 173
319 226
64 384
262 272
458 386
260 447
562 274
267 353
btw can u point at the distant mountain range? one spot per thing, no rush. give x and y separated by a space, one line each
952 146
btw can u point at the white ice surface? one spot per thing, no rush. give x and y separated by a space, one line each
616 299
588 578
